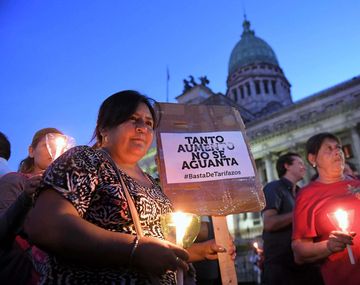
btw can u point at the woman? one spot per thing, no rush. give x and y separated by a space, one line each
16 191
81 215
16 188
316 235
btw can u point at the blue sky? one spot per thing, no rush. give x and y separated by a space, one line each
60 59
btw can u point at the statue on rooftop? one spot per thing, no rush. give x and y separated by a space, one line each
204 81
187 86
192 80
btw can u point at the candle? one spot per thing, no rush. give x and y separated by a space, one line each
60 144
181 228
57 144
343 222
182 222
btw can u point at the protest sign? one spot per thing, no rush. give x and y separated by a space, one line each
206 167
205 164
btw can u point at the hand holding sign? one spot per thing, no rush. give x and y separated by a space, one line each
206 167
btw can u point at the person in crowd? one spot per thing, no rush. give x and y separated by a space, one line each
317 237
207 271
350 170
81 215
17 188
16 192
257 259
5 152
279 265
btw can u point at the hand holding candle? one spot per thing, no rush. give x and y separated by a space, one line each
182 229
342 218
57 144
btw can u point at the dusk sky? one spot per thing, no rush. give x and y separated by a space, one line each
60 59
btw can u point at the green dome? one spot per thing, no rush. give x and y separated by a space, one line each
250 49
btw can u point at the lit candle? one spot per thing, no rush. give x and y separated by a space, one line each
343 222
182 222
60 143
182 229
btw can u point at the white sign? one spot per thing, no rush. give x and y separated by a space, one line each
198 157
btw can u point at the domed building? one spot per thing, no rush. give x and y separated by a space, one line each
255 80
259 89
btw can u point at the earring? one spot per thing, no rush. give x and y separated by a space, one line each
106 139
314 165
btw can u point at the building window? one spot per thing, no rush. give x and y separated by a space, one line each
234 91
257 86
248 89
273 85
242 93
266 86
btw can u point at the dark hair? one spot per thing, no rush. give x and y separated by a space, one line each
5 149
351 165
314 143
27 164
286 158
117 109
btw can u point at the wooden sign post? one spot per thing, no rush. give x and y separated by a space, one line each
206 167
226 264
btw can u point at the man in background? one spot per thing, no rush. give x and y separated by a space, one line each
279 265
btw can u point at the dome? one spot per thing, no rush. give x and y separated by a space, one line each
250 49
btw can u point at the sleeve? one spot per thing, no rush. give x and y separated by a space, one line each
11 222
272 196
11 186
74 175
304 218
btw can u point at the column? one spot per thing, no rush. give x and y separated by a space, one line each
355 144
269 168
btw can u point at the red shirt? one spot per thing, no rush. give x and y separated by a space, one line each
313 205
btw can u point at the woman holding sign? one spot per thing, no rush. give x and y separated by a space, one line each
327 215
82 215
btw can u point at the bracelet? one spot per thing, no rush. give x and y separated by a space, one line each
134 247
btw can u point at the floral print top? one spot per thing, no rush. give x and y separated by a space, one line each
86 178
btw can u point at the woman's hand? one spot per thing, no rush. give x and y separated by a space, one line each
31 184
339 240
212 249
209 250
158 256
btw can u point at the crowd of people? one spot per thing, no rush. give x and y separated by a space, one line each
303 243
81 228
92 216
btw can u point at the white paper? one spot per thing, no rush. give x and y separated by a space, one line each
205 156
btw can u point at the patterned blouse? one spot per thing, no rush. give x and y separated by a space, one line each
87 179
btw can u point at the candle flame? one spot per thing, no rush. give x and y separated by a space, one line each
60 143
182 222
342 219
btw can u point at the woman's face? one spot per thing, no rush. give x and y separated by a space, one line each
130 141
330 159
41 155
